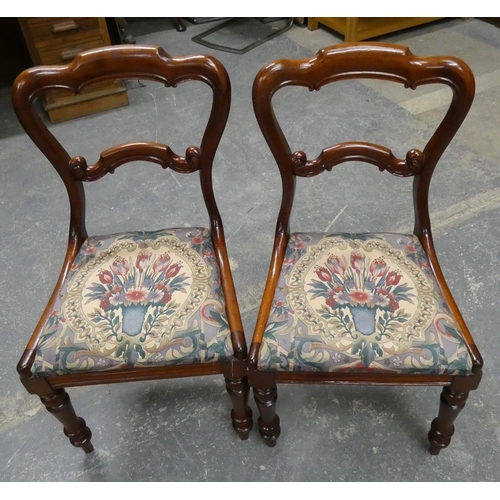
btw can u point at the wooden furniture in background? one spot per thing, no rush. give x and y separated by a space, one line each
331 309
156 299
14 56
57 40
355 29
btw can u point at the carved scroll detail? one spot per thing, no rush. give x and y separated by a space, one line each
112 158
379 156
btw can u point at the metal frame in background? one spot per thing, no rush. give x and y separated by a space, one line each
200 38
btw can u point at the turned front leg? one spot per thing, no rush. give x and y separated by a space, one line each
241 414
442 428
59 405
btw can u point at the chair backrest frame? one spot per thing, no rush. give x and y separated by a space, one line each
349 61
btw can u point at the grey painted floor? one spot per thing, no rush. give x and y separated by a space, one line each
180 430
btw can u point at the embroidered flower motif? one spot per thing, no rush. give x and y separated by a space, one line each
396 361
381 300
337 357
361 297
155 296
357 261
330 299
106 277
297 243
197 240
120 266
393 305
378 267
393 278
137 296
105 304
323 274
120 310
161 263
142 261
335 265
173 270
117 299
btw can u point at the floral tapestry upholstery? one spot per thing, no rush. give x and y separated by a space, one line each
360 303
137 299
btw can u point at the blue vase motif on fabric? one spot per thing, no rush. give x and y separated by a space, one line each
133 319
364 319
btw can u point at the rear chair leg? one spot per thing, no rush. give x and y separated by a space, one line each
238 390
265 397
59 405
442 428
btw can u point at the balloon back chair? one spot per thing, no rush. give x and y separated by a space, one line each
369 308
140 305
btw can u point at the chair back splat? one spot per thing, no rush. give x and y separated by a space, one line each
141 305
335 307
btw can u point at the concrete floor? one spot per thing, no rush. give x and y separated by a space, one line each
180 430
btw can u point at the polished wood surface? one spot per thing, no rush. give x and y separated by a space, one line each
341 62
148 63
356 29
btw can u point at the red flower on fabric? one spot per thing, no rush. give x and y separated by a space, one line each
298 243
106 277
411 248
104 304
378 267
361 296
393 305
142 261
323 274
208 254
335 265
357 261
136 295
173 270
330 300
167 297
120 266
393 278
161 263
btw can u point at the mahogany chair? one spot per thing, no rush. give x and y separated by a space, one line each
139 305
370 308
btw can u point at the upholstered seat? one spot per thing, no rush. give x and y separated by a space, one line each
137 299
360 303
